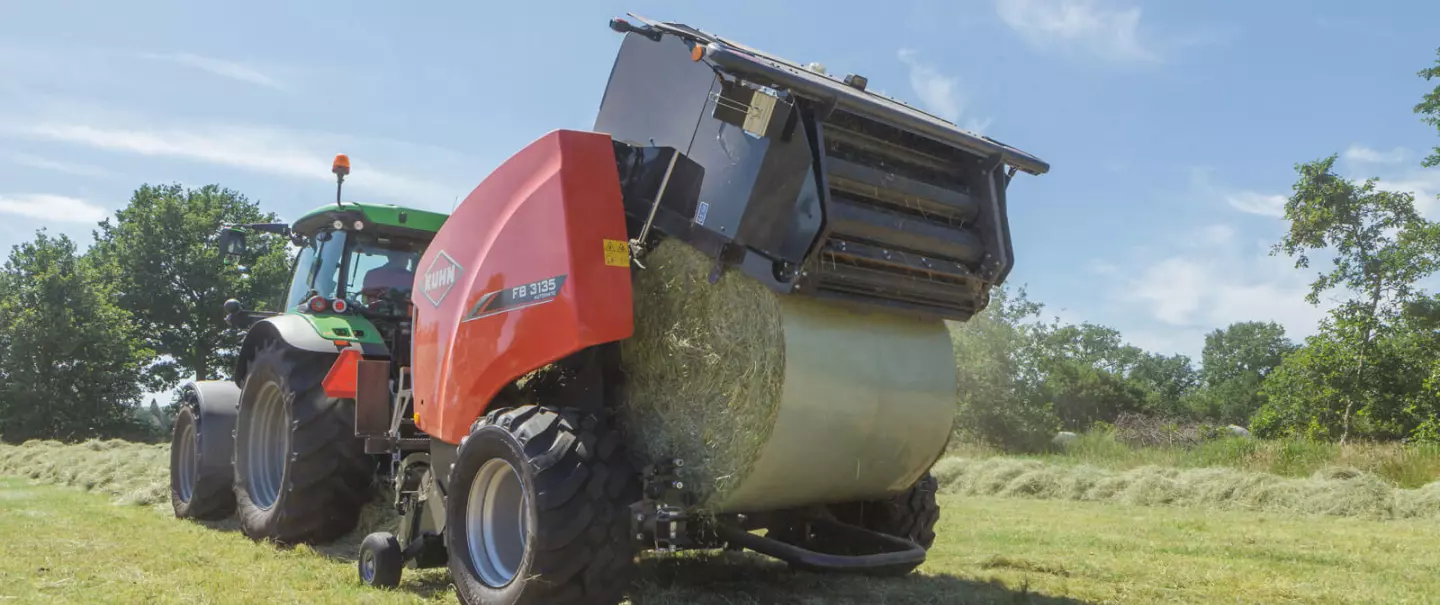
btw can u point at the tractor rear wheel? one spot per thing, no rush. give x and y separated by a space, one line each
301 475
198 490
538 510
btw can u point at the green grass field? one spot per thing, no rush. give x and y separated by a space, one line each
64 545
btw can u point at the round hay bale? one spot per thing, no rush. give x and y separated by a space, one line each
1064 438
775 401
1238 431
704 368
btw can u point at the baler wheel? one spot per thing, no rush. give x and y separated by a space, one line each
538 510
197 490
911 515
301 475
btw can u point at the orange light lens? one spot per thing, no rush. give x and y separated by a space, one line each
339 305
341 164
317 304
697 53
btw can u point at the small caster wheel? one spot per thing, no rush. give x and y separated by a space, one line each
381 560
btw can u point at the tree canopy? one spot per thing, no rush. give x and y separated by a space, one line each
69 357
160 255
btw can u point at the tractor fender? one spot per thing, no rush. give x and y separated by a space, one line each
297 332
215 403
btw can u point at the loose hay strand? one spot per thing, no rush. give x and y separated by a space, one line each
705 369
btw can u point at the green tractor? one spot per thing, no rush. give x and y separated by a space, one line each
272 446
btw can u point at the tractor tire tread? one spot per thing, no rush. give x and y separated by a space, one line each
329 475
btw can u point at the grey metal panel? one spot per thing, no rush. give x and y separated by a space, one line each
655 93
732 159
866 408
774 72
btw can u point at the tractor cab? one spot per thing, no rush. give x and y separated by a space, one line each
350 264
352 276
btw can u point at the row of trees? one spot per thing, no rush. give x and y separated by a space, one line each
84 334
1022 378
1372 369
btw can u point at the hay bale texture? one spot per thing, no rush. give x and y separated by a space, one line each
705 368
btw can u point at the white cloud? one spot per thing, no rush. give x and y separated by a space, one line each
1422 183
42 163
1205 279
1110 32
51 208
1263 204
263 150
938 93
1361 154
1270 205
224 68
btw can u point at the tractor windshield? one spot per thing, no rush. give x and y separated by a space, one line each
371 271
380 269
316 268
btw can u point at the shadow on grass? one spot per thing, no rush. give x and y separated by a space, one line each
728 578
750 579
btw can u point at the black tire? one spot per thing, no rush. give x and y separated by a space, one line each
381 560
911 515
578 485
326 475
209 496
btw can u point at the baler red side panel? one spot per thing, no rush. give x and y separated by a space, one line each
519 277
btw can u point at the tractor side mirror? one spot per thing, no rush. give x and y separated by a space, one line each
232 242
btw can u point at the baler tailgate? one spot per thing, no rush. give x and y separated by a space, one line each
810 184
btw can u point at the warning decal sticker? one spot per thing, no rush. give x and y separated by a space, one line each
617 253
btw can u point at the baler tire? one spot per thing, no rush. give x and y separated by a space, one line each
211 497
911 515
326 476
577 485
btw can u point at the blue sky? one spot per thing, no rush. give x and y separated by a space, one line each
1172 128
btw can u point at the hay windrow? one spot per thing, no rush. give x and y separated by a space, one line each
130 473
705 368
1344 492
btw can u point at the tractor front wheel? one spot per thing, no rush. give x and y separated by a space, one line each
537 510
301 474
